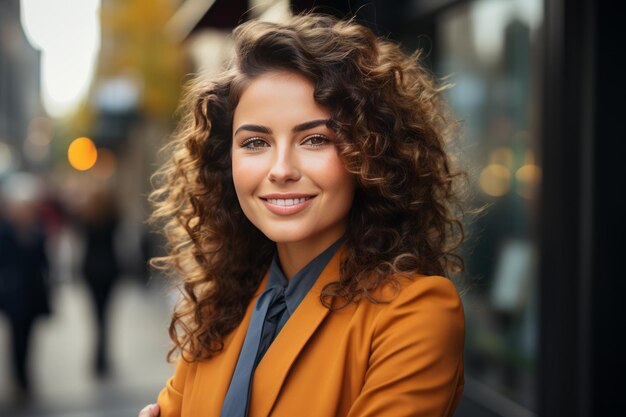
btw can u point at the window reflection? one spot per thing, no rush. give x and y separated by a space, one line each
489 48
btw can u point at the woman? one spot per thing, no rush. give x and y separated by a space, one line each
309 206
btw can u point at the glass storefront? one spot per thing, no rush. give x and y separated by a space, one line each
489 50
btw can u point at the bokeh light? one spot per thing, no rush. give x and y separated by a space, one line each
528 177
68 34
495 180
82 154
502 156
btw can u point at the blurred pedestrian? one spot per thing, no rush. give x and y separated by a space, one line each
24 286
100 266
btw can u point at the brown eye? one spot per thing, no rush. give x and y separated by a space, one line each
254 143
316 140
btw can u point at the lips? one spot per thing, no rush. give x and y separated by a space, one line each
286 204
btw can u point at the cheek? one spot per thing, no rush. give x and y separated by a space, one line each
242 179
244 187
334 176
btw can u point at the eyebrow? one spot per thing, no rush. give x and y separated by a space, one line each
310 125
297 128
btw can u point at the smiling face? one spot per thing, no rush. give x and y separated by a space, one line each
289 179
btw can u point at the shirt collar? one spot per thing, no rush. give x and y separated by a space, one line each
297 288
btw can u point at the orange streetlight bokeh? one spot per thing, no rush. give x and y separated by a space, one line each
82 154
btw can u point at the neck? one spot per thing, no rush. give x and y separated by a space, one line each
294 256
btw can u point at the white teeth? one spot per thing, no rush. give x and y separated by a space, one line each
287 202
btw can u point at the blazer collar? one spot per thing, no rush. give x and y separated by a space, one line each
271 372
213 389
273 369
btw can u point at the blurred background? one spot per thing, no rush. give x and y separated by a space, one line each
88 90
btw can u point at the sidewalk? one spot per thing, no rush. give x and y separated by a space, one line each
61 355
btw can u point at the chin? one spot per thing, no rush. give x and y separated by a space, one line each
285 237
307 236
285 233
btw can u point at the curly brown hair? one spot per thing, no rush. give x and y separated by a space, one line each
392 132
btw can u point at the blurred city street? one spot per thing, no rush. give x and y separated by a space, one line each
88 96
63 381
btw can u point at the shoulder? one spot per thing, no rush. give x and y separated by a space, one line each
422 307
414 358
419 290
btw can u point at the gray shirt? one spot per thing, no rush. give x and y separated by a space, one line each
299 285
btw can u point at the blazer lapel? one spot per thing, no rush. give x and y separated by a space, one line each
271 372
212 391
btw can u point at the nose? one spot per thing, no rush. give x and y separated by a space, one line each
284 167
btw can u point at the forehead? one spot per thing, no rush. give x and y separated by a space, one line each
278 98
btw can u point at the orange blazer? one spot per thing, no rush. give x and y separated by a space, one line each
396 359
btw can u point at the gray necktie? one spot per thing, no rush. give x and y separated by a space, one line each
267 312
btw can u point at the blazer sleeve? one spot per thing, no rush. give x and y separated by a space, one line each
170 399
416 357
